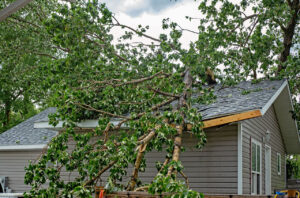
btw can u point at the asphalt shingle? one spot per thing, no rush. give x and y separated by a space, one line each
25 133
243 97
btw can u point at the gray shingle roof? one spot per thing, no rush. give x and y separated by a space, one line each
230 100
25 133
242 97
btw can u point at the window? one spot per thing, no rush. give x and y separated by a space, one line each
278 163
256 167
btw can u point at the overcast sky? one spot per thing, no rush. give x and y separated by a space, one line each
152 12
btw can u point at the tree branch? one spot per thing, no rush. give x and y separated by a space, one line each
163 93
24 21
280 24
103 45
100 173
88 107
135 81
191 31
135 31
290 3
186 179
188 81
141 114
250 33
141 150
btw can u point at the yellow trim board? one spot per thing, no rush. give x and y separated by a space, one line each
231 118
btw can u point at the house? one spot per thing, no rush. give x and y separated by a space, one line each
249 129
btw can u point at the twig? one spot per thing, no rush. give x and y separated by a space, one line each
137 32
186 179
191 31
100 172
164 164
163 93
247 39
136 81
88 107
141 114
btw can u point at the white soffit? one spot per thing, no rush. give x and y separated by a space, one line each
22 147
273 98
283 106
12 195
86 124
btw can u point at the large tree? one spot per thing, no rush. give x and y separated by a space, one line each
251 40
252 36
145 87
24 51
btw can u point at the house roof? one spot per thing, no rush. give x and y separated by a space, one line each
243 97
24 135
243 101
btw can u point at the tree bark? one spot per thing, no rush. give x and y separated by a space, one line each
141 151
182 103
288 34
7 114
177 147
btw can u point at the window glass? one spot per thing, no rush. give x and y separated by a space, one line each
258 184
253 186
258 158
256 168
279 163
253 157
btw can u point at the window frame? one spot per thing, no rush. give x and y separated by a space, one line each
257 143
278 163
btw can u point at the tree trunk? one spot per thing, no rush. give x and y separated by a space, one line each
177 147
254 74
7 114
182 103
288 33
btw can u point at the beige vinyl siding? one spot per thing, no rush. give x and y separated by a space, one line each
12 164
256 128
212 170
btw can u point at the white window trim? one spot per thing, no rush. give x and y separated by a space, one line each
240 158
268 146
280 161
260 173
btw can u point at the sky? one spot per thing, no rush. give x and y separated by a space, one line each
152 12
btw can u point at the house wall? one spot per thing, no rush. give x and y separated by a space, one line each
256 128
212 170
12 164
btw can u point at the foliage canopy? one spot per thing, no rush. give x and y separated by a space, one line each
146 89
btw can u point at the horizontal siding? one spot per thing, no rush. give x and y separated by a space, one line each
212 170
12 164
256 128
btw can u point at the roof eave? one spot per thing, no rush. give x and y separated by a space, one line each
283 106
